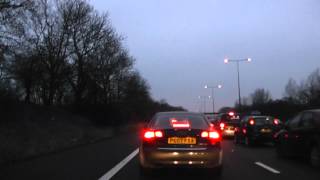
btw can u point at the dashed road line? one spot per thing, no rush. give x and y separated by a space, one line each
119 166
267 167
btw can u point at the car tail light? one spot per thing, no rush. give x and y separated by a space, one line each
158 134
213 136
251 122
180 124
150 134
204 134
286 135
244 131
222 125
276 121
231 113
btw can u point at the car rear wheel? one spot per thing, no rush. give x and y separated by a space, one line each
144 172
236 140
248 141
315 156
280 150
217 171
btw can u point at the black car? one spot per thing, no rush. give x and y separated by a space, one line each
256 129
180 139
226 123
300 137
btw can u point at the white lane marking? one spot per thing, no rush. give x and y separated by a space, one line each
183 149
267 168
119 166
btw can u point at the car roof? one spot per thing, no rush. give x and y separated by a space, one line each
313 110
259 116
179 113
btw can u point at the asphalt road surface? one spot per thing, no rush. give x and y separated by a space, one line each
115 158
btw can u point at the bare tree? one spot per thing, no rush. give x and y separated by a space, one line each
260 96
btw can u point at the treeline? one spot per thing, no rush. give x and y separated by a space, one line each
64 53
297 97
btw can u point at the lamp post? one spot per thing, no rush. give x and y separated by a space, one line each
212 93
203 100
237 61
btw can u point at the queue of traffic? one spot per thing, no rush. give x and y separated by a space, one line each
296 137
193 140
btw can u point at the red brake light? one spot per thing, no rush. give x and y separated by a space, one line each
214 135
231 113
244 131
158 134
276 121
180 124
204 134
251 122
148 135
222 125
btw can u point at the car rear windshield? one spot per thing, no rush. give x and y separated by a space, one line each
230 119
263 120
165 121
317 119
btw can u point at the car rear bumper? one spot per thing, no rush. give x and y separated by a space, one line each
177 157
228 133
262 137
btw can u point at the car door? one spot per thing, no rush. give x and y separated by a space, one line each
305 132
242 127
290 140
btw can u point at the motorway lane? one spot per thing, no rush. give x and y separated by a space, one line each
86 162
239 162
93 161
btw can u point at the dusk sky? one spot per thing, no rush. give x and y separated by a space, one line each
179 45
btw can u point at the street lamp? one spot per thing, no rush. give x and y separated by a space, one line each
212 91
203 100
226 61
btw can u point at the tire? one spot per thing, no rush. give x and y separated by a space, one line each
144 172
217 171
248 141
314 156
280 150
236 140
